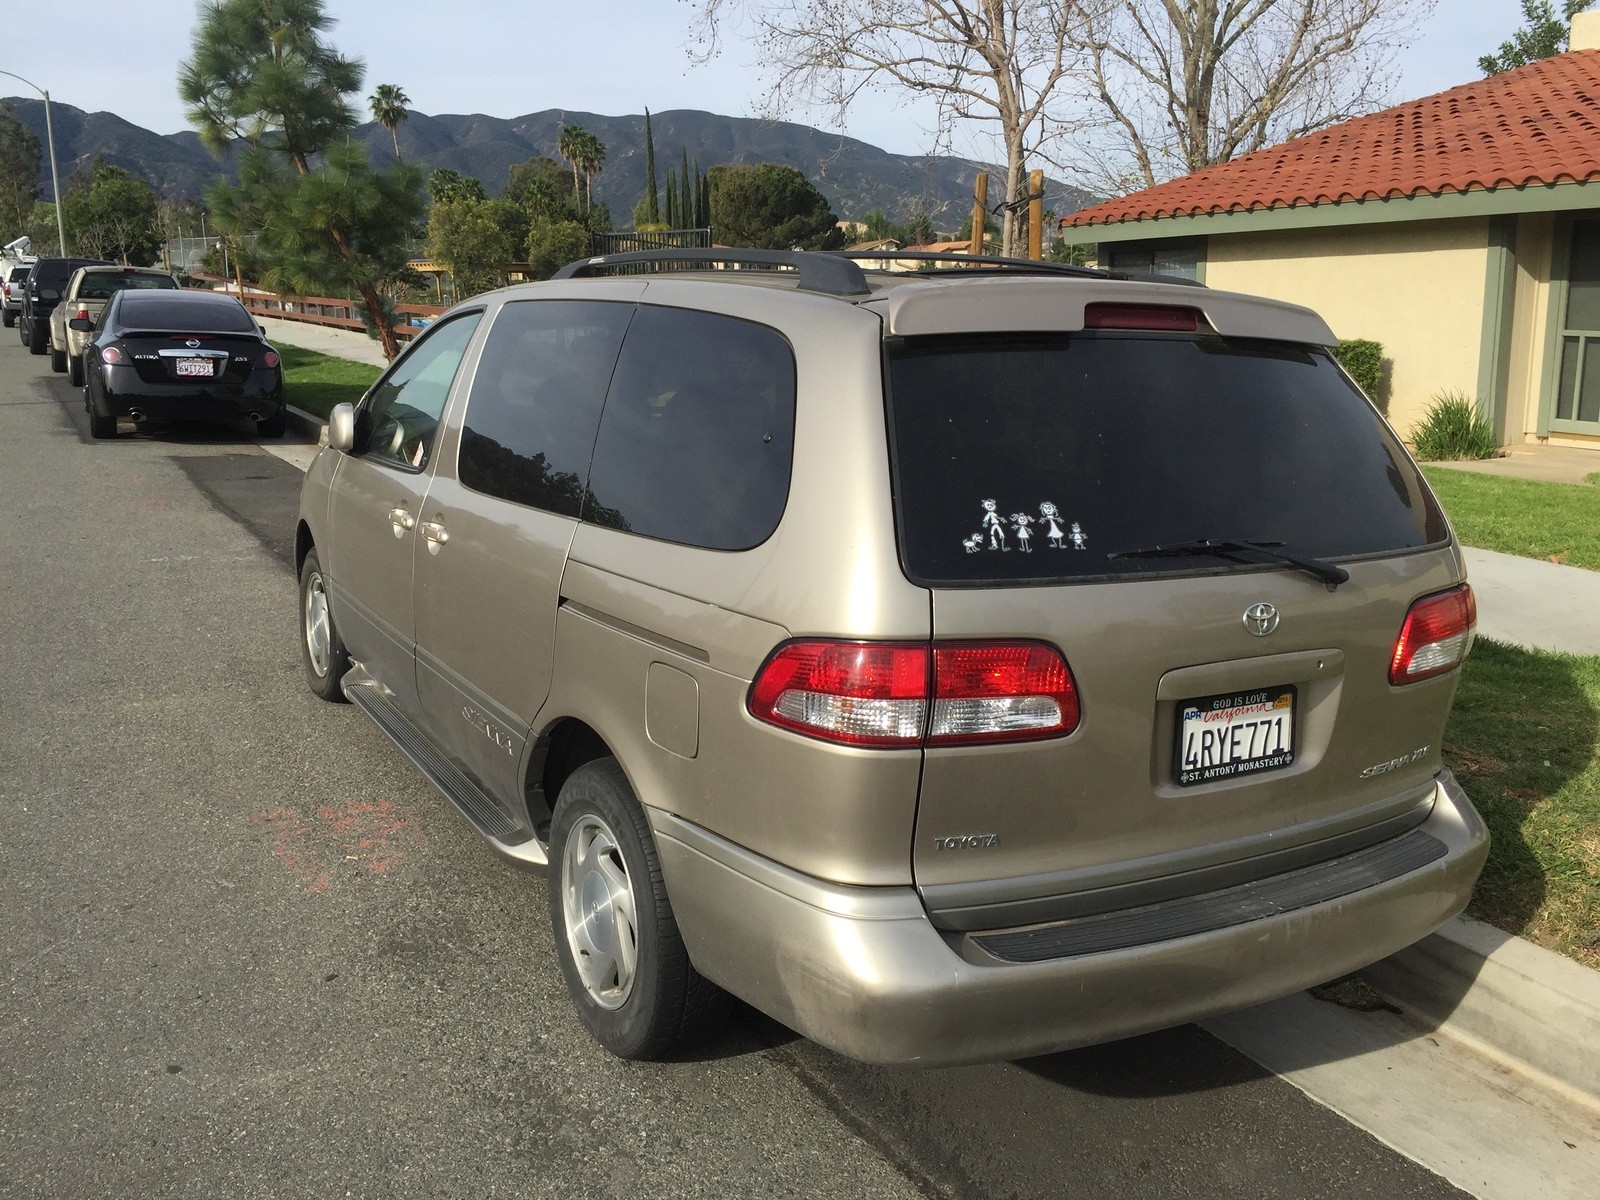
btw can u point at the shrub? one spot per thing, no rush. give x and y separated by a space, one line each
1364 361
1453 427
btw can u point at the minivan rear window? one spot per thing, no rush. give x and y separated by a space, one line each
1039 458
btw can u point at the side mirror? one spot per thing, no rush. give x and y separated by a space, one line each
81 324
342 427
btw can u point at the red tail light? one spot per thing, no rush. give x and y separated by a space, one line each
1000 692
1163 318
269 359
82 315
878 693
1436 636
110 355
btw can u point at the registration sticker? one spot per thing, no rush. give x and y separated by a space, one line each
200 367
1233 734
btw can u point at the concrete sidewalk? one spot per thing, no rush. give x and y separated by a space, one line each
1530 602
324 339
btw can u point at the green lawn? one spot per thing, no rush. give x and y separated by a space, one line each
1524 740
1555 521
316 382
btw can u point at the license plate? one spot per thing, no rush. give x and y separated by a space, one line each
1233 734
195 366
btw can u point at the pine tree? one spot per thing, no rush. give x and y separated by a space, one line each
652 204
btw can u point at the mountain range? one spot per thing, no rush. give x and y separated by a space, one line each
855 177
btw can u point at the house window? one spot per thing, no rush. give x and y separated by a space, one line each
1578 392
1179 261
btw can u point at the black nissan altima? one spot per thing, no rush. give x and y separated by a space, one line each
179 356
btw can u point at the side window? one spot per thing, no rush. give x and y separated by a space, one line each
536 400
698 431
402 412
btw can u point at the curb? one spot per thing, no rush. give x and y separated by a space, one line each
305 424
1519 1002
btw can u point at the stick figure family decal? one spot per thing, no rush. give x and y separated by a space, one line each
992 535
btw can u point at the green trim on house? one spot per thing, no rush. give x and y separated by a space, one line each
1555 321
1494 346
1496 202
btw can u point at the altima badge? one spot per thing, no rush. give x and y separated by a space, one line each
1261 619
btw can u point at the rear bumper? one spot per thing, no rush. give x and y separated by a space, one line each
260 398
863 971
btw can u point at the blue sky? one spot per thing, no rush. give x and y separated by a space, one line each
509 57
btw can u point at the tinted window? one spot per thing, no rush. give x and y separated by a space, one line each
102 287
536 399
184 313
698 430
401 414
1032 459
18 274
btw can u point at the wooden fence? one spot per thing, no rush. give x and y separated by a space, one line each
322 310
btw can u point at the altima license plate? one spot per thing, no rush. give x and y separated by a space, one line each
1237 733
195 366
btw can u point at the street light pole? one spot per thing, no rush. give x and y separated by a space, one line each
50 136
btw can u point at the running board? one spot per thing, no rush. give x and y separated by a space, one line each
474 803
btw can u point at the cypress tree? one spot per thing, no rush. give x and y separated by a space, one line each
652 204
672 201
685 181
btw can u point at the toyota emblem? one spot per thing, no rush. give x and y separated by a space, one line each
1261 619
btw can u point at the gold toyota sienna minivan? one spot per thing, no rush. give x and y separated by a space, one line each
955 665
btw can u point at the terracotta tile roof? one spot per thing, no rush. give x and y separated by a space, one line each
1536 125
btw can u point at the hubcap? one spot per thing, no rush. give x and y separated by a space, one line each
597 904
319 637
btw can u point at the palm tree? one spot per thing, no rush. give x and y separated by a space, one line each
593 161
570 146
389 109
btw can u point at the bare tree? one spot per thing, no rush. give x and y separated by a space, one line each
1000 62
1186 84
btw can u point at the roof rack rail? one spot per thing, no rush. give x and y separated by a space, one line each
818 272
1032 266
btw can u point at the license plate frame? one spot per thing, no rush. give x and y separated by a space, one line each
194 368
1252 716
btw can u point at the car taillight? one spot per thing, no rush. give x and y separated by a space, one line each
1000 692
82 315
1435 637
1164 318
269 359
110 355
902 694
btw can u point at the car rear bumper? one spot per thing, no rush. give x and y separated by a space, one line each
863 970
163 402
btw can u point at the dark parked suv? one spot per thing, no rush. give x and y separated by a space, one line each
43 293
954 665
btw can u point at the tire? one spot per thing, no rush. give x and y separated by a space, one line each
623 958
10 318
321 648
75 370
273 426
58 360
38 338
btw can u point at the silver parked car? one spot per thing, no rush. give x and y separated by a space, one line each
956 665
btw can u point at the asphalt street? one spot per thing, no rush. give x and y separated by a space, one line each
248 951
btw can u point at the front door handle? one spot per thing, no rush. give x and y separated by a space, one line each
402 521
436 535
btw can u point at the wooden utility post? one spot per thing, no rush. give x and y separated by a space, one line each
980 209
1035 214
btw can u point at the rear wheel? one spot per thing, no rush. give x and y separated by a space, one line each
75 370
626 968
10 318
321 647
274 426
102 425
58 360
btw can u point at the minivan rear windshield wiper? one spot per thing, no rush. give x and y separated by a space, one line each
1330 574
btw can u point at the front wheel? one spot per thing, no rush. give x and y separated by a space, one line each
626 968
321 647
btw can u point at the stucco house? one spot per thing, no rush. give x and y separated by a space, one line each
1461 231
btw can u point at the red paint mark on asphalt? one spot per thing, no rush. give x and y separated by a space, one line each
370 835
